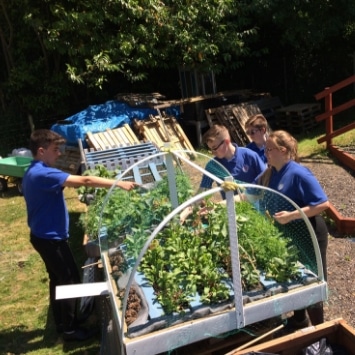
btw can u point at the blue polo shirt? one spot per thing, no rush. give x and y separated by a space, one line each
244 166
47 213
297 183
259 151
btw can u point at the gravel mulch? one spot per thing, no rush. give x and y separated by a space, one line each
339 184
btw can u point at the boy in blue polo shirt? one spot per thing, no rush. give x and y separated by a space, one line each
243 164
48 219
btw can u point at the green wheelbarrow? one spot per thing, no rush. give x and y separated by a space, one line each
13 169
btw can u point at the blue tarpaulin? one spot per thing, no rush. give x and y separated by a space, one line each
98 118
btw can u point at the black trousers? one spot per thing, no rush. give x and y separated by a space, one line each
321 232
62 270
315 312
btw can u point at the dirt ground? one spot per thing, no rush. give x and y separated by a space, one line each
339 184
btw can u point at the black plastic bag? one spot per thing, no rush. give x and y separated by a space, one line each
318 348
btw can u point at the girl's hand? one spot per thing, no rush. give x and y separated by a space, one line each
283 217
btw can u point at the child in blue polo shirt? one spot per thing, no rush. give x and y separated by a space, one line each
297 182
241 163
257 128
48 220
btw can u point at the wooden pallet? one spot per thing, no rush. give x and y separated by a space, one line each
298 117
234 118
244 111
268 106
163 130
70 160
114 138
211 117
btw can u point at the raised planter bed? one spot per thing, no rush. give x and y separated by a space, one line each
198 322
338 334
345 225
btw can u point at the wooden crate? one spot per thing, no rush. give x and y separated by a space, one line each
337 332
225 342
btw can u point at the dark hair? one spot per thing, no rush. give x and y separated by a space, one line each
258 121
44 138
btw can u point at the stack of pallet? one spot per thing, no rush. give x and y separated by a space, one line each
121 149
235 116
162 131
298 117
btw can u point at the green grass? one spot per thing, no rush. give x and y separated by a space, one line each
26 325
308 145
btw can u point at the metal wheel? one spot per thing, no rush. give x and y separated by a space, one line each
3 184
19 186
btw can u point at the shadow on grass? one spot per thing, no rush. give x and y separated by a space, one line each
21 340
10 192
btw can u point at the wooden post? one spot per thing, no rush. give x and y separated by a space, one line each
329 121
30 120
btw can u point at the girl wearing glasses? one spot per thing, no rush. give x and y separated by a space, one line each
257 128
297 182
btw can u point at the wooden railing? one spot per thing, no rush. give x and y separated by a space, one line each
327 95
345 225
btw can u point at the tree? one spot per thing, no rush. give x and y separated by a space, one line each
314 39
131 37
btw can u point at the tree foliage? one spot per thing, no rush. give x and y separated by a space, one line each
131 37
53 49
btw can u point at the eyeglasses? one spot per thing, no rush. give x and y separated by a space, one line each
270 149
252 132
216 148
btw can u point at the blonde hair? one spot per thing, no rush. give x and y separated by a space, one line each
215 132
281 139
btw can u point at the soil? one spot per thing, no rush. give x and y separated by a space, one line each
339 184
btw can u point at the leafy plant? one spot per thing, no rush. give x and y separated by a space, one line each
192 259
130 213
87 194
197 260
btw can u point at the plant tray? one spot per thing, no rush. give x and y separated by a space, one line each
204 321
14 166
156 319
337 332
